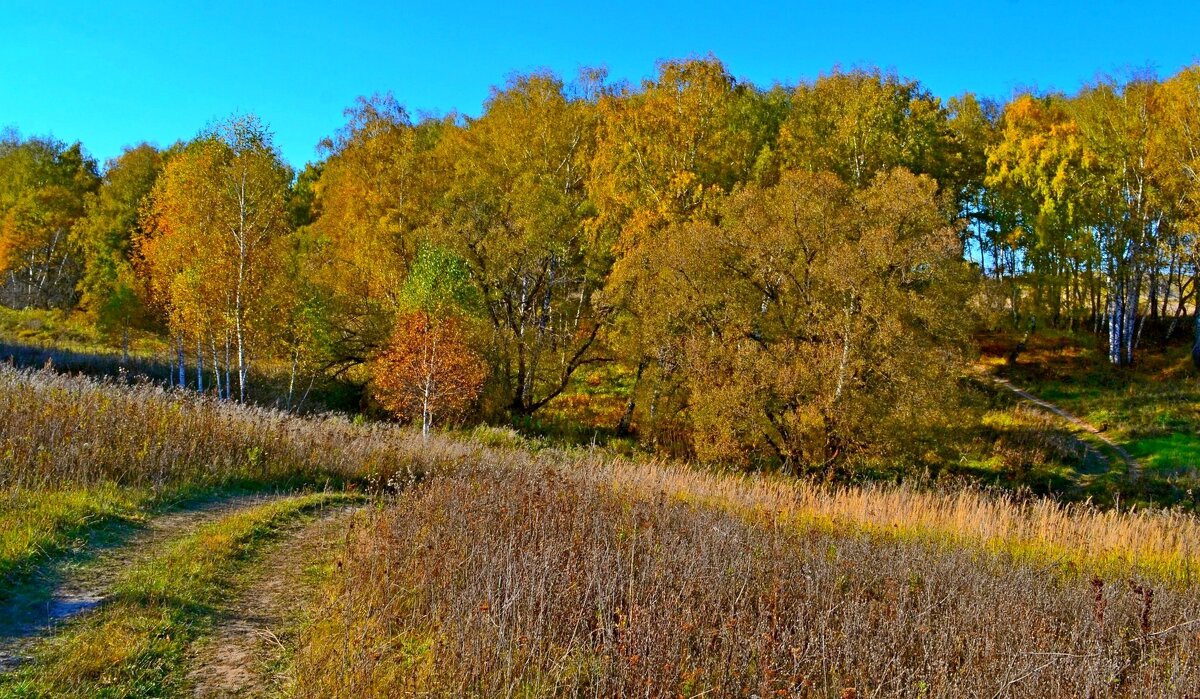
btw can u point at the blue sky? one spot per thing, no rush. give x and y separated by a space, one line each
160 71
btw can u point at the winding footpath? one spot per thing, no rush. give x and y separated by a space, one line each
242 657
258 623
1133 468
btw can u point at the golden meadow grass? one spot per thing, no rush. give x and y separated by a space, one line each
610 560
58 431
1165 544
494 581
78 453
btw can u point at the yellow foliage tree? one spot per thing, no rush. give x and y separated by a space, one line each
814 320
214 227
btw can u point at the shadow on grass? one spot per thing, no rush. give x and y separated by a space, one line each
57 585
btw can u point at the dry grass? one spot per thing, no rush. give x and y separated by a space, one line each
59 430
548 582
514 573
1163 544
78 454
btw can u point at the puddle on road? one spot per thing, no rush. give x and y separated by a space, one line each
24 620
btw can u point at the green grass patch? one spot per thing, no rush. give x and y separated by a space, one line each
35 525
1174 454
136 644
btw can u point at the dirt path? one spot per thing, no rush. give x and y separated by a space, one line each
241 657
1134 469
66 588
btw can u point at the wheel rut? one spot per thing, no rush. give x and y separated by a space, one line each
241 657
65 588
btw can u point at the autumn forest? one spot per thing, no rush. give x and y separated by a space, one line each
786 275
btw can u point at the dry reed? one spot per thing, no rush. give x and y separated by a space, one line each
545 582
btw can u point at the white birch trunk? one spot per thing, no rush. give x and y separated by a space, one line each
182 363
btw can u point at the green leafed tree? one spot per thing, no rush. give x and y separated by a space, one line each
110 289
43 186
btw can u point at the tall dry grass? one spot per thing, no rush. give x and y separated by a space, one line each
58 431
556 573
1161 543
545 582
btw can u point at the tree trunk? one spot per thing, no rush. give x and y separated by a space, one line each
1196 338
240 337
292 376
182 364
212 341
624 427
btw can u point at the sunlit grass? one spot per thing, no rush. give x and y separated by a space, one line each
1177 453
653 580
135 645
69 331
37 524
1164 545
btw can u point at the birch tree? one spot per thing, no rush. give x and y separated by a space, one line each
216 220
429 370
43 185
1115 123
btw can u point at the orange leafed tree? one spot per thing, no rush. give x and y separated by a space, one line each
428 371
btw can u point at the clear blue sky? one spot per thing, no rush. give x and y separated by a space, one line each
115 73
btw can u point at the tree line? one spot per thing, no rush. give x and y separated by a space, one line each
788 274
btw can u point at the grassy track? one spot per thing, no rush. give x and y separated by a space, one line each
37 524
135 645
